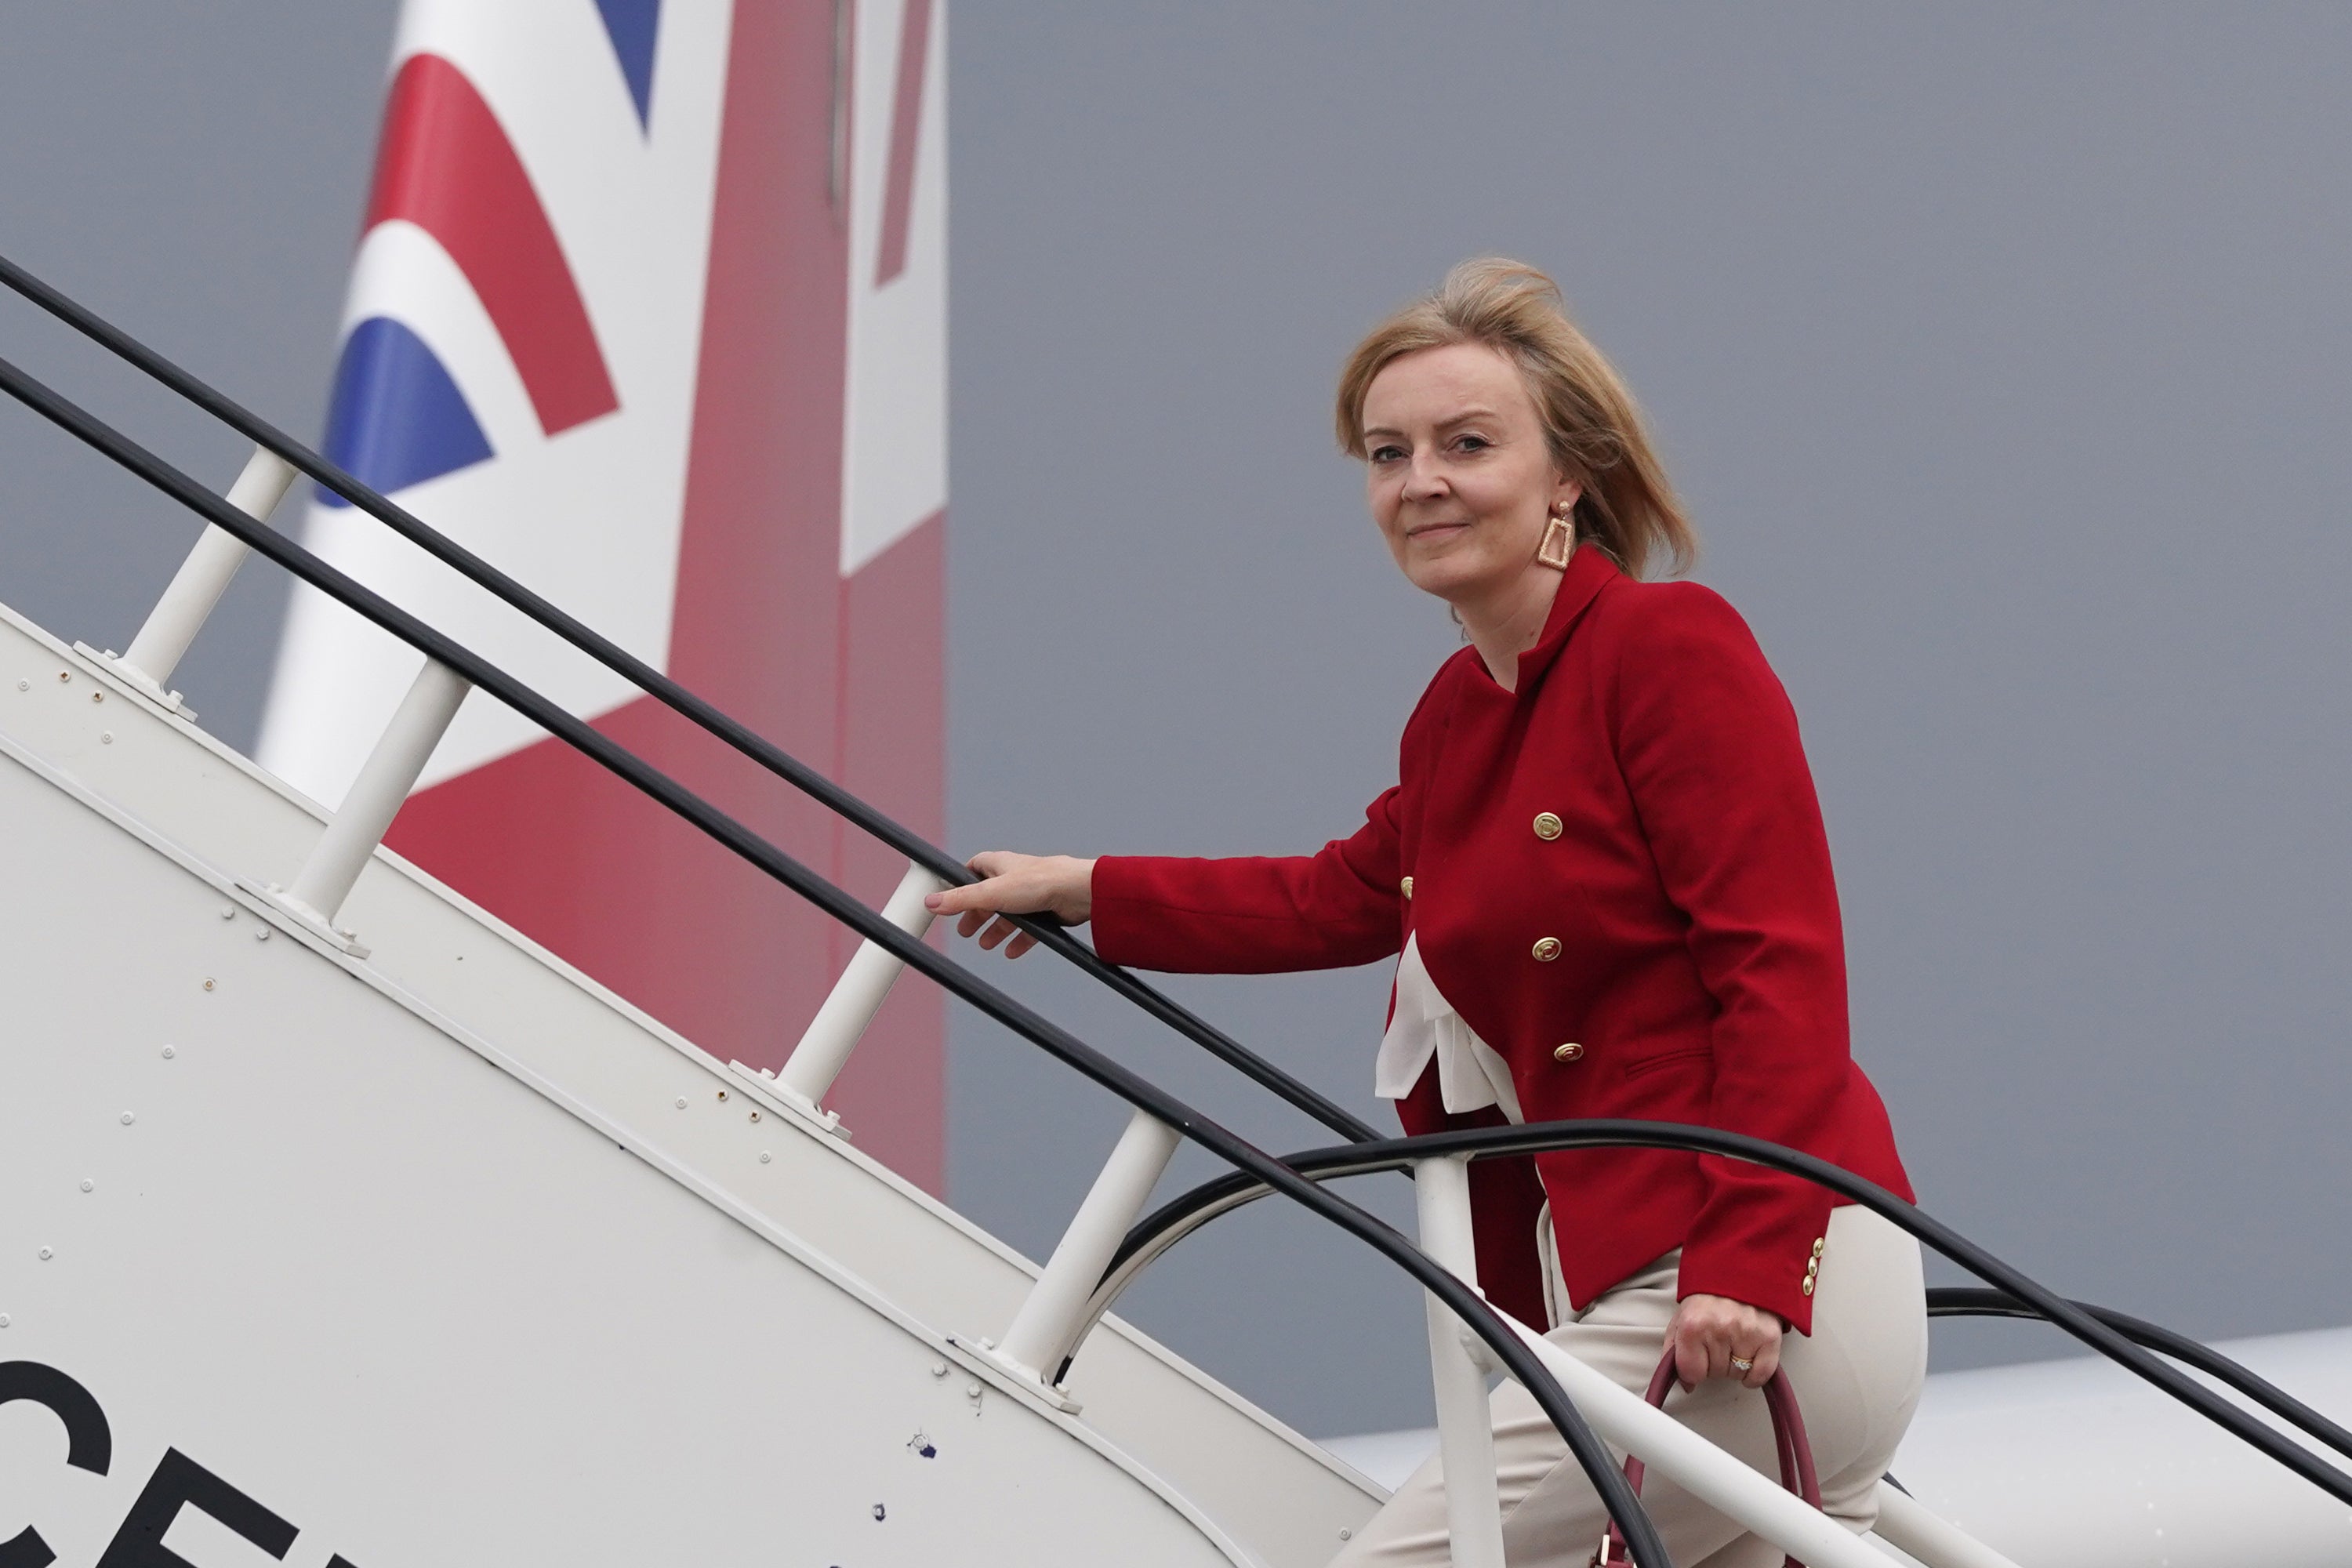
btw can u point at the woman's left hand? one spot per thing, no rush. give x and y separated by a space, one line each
1707 1331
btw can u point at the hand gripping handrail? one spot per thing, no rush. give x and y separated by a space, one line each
654 683
2119 1338
1501 1339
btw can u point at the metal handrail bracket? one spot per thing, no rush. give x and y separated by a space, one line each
849 1008
195 589
375 798
1054 1311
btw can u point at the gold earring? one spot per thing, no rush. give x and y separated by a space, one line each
1559 539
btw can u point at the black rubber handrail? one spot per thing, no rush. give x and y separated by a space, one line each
1255 1172
1464 1301
1966 1301
1188 1211
661 687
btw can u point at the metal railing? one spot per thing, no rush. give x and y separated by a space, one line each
451 670
1104 1246
222 549
2128 1342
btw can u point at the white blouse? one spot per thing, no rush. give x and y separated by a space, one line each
1471 1074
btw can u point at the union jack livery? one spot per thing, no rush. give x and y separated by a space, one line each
649 310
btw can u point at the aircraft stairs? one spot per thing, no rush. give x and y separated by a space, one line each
343 1218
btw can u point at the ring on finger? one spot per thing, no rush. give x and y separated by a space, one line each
1742 1363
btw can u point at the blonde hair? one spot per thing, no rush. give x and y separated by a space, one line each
1590 420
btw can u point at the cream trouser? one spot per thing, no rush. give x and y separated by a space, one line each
1856 1378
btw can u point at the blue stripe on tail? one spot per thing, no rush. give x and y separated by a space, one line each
397 417
631 25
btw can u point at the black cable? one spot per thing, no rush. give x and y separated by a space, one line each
1223 1194
654 683
1962 1301
1187 1212
1462 1301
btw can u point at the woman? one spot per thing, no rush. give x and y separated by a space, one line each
1604 868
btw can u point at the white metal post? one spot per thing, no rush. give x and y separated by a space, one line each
833 1034
376 796
202 579
1465 1425
1908 1525
1050 1315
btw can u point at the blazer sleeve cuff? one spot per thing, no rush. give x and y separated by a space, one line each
1772 1258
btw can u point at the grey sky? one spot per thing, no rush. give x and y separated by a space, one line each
2000 351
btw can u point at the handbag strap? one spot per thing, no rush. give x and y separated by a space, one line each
1796 1454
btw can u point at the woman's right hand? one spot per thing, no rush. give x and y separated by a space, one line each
1059 885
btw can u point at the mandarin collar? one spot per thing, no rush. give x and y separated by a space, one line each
1589 569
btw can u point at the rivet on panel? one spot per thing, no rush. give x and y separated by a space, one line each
3 1320
262 935
128 1119
98 696
1346 1535
228 912
878 1510
971 1391
208 985
765 1156
755 1116
24 686
88 1185
65 675
722 1094
681 1102
171 1051
106 737
47 1255
938 1369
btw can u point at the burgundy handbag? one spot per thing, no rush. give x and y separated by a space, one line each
1788 1433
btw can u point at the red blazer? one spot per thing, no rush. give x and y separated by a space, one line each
1619 878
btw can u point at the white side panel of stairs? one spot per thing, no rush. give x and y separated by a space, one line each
422 1253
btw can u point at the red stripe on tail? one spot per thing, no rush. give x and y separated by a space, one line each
446 165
